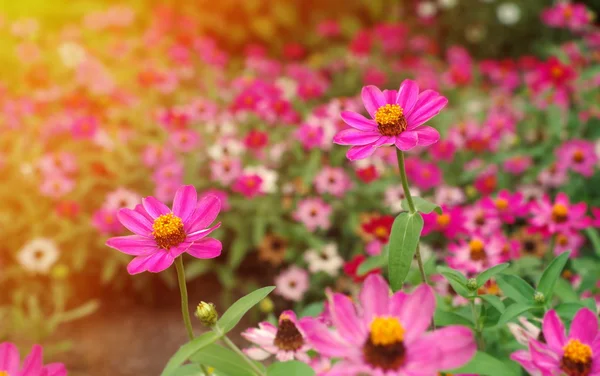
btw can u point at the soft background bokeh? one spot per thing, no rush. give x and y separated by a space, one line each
104 102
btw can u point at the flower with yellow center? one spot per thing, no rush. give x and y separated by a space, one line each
381 232
443 220
390 120
476 248
386 331
560 213
168 231
577 358
501 204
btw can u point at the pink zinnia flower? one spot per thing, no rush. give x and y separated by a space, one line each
518 164
579 156
84 128
564 14
450 222
507 206
292 283
397 119
477 254
32 364
575 354
286 342
56 186
248 185
568 241
162 234
560 215
313 213
332 180
106 221
386 335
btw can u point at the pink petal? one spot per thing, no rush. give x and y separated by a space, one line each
33 363
353 136
584 326
423 357
358 121
396 303
56 369
361 152
343 368
407 95
427 135
372 98
343 315
195 236
205 248
206 212
134 245
554 331
9 358
138 264
429 104
159 261
374 297
457 345
185 202
139 208
135 222
154 207
417 312
407 140
390 96
325 341
544 360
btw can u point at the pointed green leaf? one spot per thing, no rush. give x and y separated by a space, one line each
484 276
292 368
485 365
187 350
224 360
446 318
422 205
514 311
456 279
235 313
592 233
551 275
188 370
404 239
494 301
515 288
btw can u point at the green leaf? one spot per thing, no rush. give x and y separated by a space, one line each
590 303
188 370
79 312
513 311
592 233
404 239
222 359
446 318
494 301
235 313
312 310
484 276
187 350
292 368
515 288
371 263
485 364
422 205
564 291
551 275
456 279
568 310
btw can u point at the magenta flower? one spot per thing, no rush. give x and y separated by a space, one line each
286 342
386 335
397 119
478 254
560 216
507 206
577 354
579 156
162 234
32 365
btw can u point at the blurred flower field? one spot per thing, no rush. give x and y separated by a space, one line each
417 181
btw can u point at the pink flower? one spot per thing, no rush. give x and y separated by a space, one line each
507 206
225 170
553 176
32 364
579 156
56 186
329 28
184 140
568 241
221 195
481 220
478 254
575 354
443 151
248 185
560 216
162 234
292 283
332 180
106 221
313 213
286 342
62 163
450 222
386 335
84 128
518 164
564 14
310 136
397 119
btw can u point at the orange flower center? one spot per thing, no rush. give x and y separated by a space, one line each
477 250
168 231
390 120
443 220
501 204
577 359
578 156
384 349
560 213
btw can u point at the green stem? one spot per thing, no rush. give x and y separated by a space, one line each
185 311
478 332
237 350
411 208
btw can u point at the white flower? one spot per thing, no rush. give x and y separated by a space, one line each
447 4
524 332
225 147
508 13
38 255
268 176
121 198
449 195
287 86
71 54
394 196
325 260
426 9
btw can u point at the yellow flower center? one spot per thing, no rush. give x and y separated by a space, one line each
577 359
562 240
557 72
443 220
476 250
381 232
578 156
560 213
4 373
168 231
501 204
386 331
390 120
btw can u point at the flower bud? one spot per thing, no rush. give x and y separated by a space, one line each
207 314
266 305
472 284
539 297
